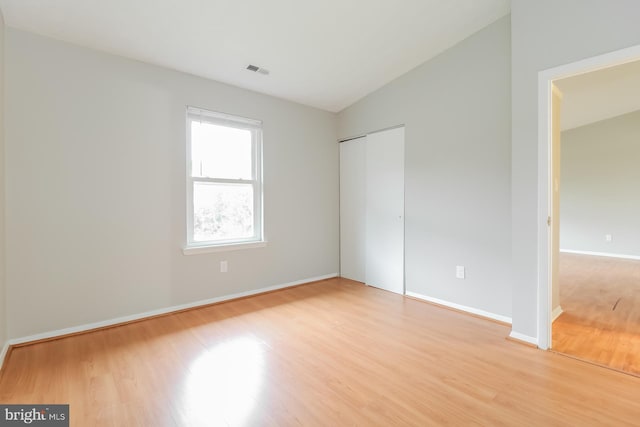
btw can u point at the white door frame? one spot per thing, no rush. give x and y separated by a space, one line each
545 81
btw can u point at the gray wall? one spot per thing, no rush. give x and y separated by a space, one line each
456 109
95 155
546 34
600 181
3 304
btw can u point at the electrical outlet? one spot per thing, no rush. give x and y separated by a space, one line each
459 271
607 237
223 266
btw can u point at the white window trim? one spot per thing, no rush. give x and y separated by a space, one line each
195 250
256 241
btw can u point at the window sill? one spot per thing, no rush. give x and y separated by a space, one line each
195 250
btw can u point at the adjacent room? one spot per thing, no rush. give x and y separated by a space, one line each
274 212
599 256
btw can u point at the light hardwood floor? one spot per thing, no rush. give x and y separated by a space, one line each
601 301
331 353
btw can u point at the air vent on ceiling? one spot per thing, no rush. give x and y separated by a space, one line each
257 69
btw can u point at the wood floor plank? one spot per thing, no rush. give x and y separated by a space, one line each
334 352
600 297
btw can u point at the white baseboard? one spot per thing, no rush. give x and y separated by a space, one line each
556 313
524 338
606 254
464 308
152 313
3 353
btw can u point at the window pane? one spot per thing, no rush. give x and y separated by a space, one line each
220 151
222 211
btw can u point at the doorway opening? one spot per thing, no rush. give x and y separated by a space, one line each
550 258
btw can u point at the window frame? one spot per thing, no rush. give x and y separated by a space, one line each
228 120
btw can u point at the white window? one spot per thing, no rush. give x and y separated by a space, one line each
224 180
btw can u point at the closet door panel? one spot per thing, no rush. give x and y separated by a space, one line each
352 209
384 201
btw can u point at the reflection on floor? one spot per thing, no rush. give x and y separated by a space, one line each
331 353
600 297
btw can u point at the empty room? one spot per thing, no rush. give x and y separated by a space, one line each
283 213
599 268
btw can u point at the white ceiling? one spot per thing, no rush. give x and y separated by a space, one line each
599 95
326 54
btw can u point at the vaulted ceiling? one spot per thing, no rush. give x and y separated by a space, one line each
326 54
599 95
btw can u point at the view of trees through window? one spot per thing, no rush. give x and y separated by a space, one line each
224 178
222 211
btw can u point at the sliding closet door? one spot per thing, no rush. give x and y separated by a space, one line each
384 203
352 209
